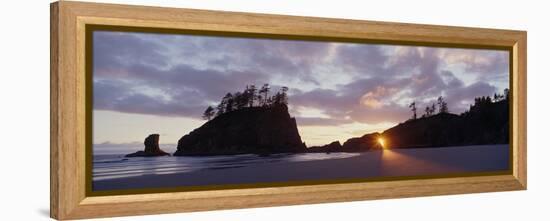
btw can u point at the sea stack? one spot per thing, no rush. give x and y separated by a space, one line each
152 148
258 130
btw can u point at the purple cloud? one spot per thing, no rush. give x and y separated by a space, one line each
178 75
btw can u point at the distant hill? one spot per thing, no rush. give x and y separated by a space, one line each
260 130
332 147
356 144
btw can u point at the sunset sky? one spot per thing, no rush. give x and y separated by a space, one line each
160 83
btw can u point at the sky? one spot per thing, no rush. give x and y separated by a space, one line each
146 83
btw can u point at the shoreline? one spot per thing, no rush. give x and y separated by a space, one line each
371 164
274 153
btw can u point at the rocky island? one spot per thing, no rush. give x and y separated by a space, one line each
152 148
245 123
260 130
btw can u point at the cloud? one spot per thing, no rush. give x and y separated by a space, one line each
178 75
124 97
385 97
389 113
113 49
319 121
109 145
478 61
463 95
374 99
365 60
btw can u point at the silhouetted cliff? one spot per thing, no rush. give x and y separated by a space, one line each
439 130
261 130
485 123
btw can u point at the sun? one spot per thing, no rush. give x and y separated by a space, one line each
382 142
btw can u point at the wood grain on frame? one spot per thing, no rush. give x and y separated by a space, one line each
68 108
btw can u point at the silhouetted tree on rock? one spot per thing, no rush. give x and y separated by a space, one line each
412 106
208 113
247 99
442 105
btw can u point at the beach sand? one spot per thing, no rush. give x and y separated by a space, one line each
373 164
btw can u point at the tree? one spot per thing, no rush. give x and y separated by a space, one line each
246 98
259 98
269 101
250 94
220 109
265 91
506 93
442 105
500 97
427 112
229 102
226 104
280 97
412 106
284 96
208 113
241 100
432 109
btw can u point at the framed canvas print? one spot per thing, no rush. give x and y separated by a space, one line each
160 110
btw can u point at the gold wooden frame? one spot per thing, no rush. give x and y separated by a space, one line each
68 197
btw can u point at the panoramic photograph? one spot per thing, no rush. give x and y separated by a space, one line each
178 110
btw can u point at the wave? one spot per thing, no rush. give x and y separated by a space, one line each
115 166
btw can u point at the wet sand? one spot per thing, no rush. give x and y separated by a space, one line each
373 164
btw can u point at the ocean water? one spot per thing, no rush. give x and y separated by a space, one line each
114 172
114 166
